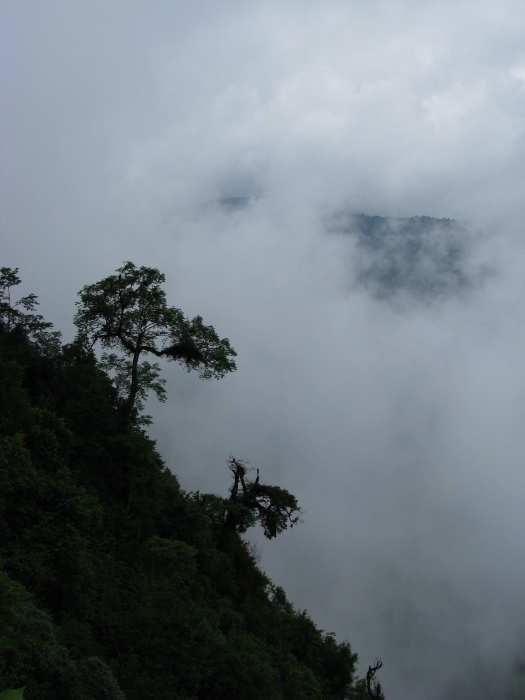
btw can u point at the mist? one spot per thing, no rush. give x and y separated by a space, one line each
244 151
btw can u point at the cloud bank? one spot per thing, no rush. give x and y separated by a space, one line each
215 141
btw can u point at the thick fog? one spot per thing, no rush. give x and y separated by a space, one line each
244 149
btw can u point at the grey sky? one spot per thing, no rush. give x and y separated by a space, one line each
399 428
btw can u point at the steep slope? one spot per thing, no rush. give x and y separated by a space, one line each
114 582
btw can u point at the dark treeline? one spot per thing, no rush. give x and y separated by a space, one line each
114 582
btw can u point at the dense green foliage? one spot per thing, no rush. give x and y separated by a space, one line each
114 582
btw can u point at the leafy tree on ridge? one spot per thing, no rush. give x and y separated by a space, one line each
128 312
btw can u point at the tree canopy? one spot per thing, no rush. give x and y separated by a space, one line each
251 502
128 312
273 507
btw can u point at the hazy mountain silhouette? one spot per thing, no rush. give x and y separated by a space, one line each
420 257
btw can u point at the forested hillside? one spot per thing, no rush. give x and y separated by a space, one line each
115 582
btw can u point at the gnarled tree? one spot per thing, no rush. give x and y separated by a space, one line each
373 686
128 312
251 501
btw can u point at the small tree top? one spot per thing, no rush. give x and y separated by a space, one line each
21 314
273 507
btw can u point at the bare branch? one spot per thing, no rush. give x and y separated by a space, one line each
373 687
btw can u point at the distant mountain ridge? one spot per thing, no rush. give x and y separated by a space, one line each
420 257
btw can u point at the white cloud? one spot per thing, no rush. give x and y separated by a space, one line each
400 432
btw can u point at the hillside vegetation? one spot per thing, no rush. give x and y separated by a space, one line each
114 582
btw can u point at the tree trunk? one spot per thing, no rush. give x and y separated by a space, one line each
133 389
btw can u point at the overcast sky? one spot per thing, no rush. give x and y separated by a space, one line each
396 419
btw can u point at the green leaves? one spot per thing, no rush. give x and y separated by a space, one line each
127 312
148 379
274 508
11 317
13 694
123 309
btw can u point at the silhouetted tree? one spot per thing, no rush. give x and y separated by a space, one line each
21 314
128 312
372 685
273 507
